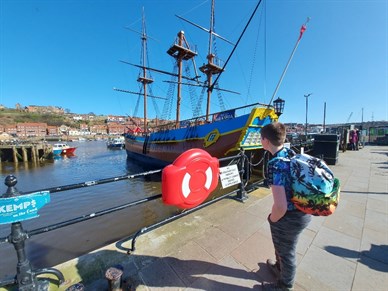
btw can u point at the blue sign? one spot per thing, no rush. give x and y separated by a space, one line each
224 115
23 207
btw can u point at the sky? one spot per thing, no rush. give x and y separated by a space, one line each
68 53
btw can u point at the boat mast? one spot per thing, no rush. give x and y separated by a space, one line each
144 79
181 52
179 97
210 68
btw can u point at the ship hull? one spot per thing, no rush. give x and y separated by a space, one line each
220 139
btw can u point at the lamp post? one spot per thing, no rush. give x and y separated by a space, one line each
307 109
278 105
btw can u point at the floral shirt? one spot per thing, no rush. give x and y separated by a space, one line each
279 174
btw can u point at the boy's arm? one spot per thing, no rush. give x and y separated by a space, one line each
279 206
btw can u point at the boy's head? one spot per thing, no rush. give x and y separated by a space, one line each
275 132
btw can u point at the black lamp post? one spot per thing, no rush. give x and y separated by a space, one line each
307 109
278 104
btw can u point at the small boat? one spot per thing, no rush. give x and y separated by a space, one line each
63 149
116 143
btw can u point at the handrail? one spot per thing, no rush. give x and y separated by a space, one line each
19 235
102 212
84 217
95 182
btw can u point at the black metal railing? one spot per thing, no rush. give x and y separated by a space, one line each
26 277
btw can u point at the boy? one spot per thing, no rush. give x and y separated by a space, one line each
286 222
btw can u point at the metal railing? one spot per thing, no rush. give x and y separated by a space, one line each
26 277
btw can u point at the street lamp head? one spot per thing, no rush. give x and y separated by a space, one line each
308 95
278 105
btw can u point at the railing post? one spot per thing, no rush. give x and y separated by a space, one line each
25 277
242 193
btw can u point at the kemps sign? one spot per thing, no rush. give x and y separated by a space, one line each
23 207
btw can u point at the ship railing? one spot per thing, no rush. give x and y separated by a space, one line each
218 62
235 112
27 278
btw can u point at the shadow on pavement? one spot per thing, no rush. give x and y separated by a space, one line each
377 253
167 272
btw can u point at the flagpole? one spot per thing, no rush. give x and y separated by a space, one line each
302 30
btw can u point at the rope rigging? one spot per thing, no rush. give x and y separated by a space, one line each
217 87
167 108
194 99
254 58
198 109
156 107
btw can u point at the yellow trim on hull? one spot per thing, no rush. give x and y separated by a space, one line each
260 113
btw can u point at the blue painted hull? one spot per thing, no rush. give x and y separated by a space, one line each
57 152
219 138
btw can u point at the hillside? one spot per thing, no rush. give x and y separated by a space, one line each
12 116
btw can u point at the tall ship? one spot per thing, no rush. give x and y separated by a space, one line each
221 134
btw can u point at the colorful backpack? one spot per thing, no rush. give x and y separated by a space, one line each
315 190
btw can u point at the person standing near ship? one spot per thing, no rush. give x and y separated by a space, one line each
286 222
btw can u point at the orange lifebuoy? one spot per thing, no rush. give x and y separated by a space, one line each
189 180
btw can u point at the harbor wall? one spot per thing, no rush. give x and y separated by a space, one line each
25 152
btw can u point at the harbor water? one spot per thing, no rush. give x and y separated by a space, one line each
92 161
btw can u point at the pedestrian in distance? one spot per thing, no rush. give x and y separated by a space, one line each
353 139
286 222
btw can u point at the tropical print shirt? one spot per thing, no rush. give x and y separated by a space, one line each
279 174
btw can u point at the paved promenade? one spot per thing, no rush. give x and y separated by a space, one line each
225 246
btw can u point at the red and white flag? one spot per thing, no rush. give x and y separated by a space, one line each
302 30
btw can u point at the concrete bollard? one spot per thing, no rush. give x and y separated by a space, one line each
114 277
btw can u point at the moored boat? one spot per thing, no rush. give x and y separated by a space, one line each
116 143
63 149
219 138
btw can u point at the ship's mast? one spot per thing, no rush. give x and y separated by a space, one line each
210 68
181 52
213 66
144 78
211 29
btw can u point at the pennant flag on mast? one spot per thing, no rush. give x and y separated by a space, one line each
303 28
137 129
